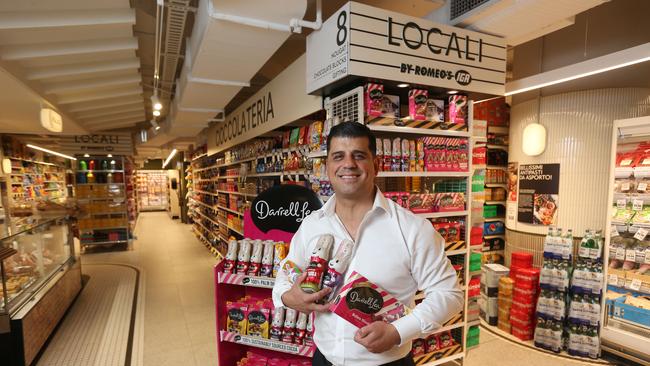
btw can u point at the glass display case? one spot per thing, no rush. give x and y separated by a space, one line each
40 276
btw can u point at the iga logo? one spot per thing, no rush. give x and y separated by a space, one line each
463 77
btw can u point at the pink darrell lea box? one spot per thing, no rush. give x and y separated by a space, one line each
361 302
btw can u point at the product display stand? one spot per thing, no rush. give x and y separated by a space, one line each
625 325
232 347
100 185
152 190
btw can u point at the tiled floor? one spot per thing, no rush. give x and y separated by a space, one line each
179 316
179 319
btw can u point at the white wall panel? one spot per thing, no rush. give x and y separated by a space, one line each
579 127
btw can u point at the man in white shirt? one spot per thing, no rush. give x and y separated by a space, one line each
394 249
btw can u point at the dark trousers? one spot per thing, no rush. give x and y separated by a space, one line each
320 360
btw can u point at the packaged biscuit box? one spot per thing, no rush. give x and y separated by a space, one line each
361 302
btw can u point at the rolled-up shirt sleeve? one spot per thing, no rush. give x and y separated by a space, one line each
297 254
435 276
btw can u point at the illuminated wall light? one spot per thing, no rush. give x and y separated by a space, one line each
452 92
403 85
156 113
155 103
534 139
169 158
597 65
6 165
51 152
86 155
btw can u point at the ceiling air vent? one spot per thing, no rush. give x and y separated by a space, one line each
347 106
459 8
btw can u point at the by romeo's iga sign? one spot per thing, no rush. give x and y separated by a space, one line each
361 40
277 213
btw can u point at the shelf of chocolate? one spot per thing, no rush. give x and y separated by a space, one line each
270 344
246 280
436 215
417 130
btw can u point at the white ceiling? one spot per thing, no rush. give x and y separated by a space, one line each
78 55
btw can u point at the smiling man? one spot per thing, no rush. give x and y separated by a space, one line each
394 249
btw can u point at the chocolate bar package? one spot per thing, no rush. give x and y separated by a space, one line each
361 302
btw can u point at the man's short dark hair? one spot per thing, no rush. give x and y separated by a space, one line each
353 129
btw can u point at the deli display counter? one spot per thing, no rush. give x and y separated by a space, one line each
40 277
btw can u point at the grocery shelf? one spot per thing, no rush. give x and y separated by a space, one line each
494 236
207 217
225 177
232 163
106 228
277 174
496 185
238 193
456 252
245 280
422 174
103 242
496 202
418 131
229 210
269 344
203 204
474 322
204 192
498 130
499 147
492 219
435 215
101 171
317 154
99 184
235 230
199 156
201 225
434 359
475 273
497 167
108 213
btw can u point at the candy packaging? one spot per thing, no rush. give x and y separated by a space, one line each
318 264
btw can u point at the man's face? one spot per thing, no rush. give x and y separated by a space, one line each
351 167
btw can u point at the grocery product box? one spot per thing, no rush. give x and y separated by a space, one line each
632 313
493 273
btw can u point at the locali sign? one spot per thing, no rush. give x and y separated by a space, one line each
283 207
114 143
361 40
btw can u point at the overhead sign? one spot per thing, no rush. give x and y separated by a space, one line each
109 143
361 40
277 213
281 101
539 185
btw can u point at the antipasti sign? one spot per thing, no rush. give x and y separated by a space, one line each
361 40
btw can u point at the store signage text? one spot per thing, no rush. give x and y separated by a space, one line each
257 113
283 207
97 139
360 40
416 42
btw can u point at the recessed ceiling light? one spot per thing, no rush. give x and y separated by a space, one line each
109 155
452 92
157 128
86 155
403 85
156 113
51 152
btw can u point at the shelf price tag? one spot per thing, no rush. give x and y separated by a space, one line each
620 254
642 187
635 285
637 205
620 204
625 186
630 255
613 280
613 232
641 234
647 257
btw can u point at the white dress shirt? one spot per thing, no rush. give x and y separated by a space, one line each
397 251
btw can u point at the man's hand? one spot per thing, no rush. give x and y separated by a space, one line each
299 300
378 337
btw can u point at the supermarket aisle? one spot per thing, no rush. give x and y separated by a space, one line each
179 317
